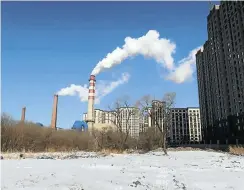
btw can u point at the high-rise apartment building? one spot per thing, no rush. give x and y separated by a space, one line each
130 118
153 116
145 121
194 124
186 125
157 113
220 72
179 130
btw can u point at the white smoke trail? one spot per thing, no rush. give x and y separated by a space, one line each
75 90
185 68
103 88
150 45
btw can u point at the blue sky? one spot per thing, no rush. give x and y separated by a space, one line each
47 46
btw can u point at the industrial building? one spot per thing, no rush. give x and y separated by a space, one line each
102 119
80 126
127 119
186 126
96 119
102 116
220 73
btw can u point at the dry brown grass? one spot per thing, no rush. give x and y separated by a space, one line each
236 149
31 138
28 137
112 151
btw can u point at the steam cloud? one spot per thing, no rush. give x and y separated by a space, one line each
185 68
103 88
151 46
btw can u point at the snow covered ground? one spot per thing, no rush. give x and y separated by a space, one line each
188 170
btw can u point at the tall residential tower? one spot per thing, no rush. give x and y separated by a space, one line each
220 72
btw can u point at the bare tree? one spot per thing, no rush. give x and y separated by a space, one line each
164 122
102 136
122 114
99 138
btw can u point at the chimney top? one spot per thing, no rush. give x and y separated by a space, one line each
92 77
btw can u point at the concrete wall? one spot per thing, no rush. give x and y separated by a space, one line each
101 126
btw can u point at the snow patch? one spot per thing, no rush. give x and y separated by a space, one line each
186 170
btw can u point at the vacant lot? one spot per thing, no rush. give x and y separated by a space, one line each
180 170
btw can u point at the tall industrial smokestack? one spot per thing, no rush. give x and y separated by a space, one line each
23 114
91 99
54 114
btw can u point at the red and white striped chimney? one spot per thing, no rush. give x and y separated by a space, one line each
91 99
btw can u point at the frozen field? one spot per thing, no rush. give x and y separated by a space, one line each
188 170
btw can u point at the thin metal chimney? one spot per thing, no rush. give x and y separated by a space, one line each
91 99
23 114
54 114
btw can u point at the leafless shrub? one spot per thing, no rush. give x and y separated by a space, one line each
122 113
149 140
26 136
163 112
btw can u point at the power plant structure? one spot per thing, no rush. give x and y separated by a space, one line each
90 111
54 113
23 114
80 126
91 100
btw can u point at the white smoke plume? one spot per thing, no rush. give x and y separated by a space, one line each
75 90
185 68
151 46
103 88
